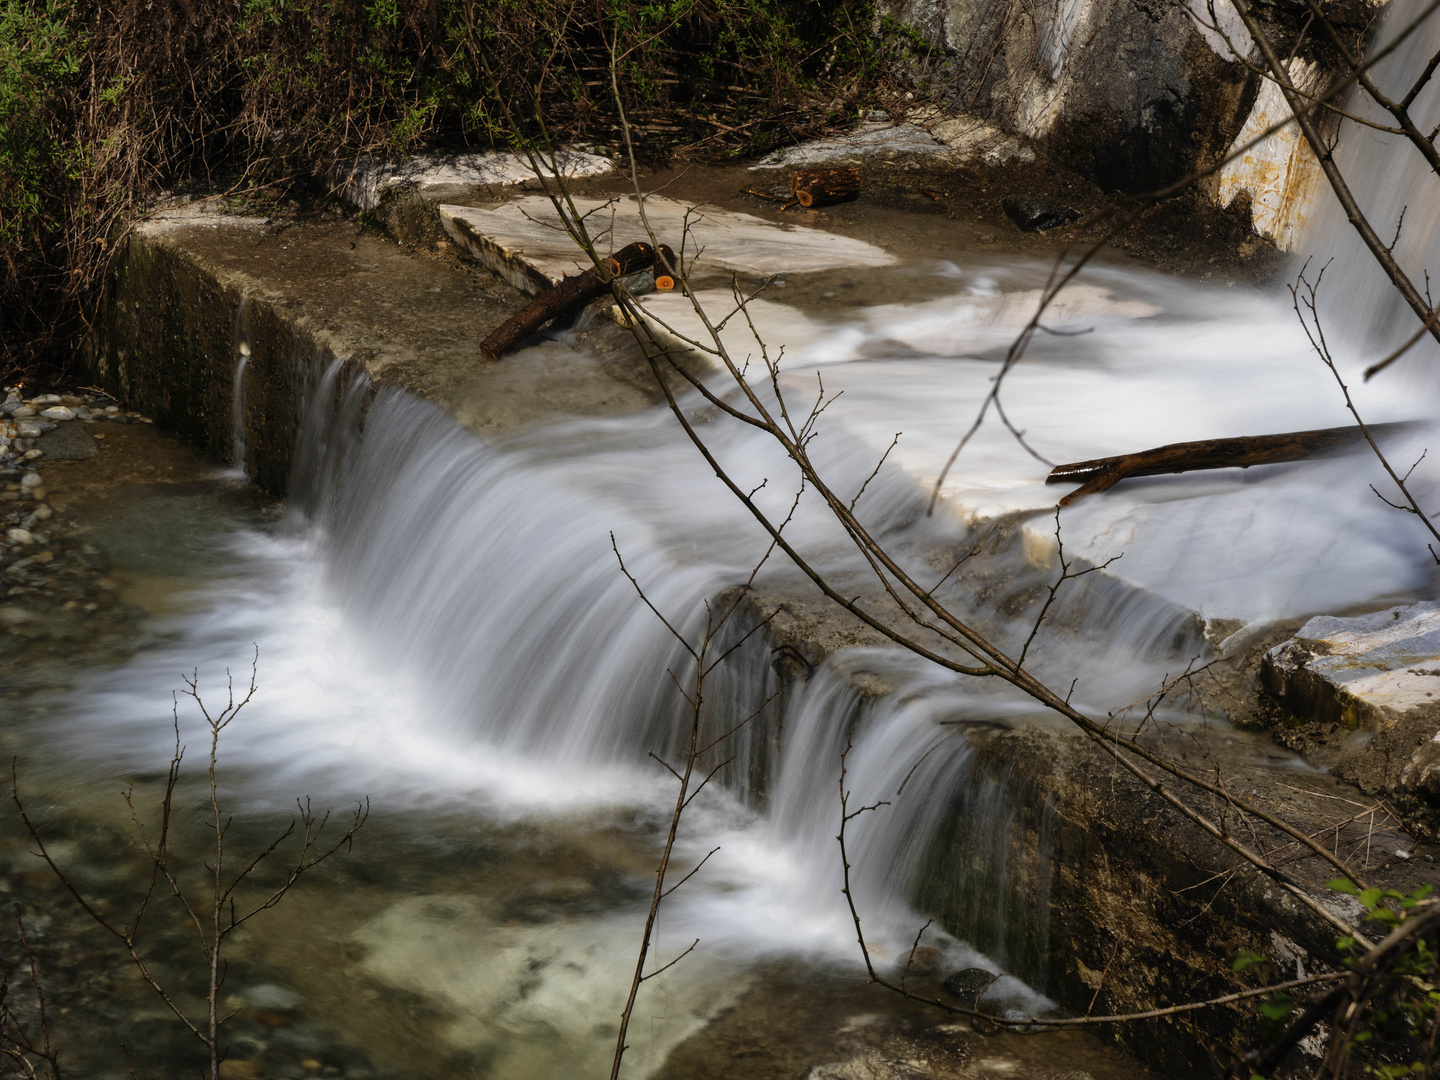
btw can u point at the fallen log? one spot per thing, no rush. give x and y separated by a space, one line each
570 293
1101 474
823 187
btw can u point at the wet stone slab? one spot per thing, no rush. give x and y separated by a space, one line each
1367 689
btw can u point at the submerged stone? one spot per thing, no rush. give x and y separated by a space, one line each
69 442
968 984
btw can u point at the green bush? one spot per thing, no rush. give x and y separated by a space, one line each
104 103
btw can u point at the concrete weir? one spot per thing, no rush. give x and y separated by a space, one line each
315 292
1130 904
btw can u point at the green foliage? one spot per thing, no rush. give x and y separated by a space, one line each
37 56
1245 958
1401 1010
102 102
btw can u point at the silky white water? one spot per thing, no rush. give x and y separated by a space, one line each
442 626
1394 186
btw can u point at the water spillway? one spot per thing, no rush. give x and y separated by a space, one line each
442 626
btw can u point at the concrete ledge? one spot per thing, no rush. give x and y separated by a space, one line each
167 339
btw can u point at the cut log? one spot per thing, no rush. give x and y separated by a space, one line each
822 187
1101 474
569 294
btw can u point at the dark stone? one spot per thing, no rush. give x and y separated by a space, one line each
968 984
1033 215
68 442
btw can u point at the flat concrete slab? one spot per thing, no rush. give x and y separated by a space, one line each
522 240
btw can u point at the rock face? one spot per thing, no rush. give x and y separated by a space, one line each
1127 92
1364 699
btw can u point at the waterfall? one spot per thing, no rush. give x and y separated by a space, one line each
1391 181
442 621
237 391
485 575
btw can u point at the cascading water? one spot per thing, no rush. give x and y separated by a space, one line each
237 390
1398 193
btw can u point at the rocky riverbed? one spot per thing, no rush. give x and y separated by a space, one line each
101 518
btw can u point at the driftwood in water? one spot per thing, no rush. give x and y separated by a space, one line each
569 294
1101 474
822 187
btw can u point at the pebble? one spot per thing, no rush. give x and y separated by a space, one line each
58 412
19 536
32 480
30 430
82 413
32 454
23 410
43 512
47 399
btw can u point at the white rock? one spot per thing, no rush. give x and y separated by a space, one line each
19 536
31 455
31 480
46 399
23 410
59 412
43 512
31 430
